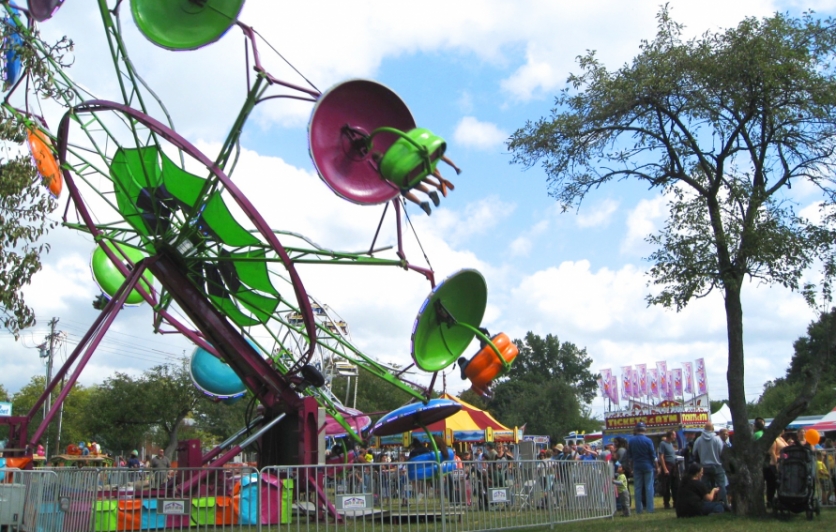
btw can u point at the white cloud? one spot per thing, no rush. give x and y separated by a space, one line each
604 311
641 222
816 212
522 245
477 218
332 40
597 215
472 133
558 32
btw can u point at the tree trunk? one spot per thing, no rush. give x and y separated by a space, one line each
745 472
746 464
171 446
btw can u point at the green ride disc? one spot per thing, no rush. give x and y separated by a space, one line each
185 24
436 341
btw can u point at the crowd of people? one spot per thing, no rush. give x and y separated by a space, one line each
694 478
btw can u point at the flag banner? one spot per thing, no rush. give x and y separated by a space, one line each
662 368
641 369
669 383
626 381
605 382
614 388
702 383
634 378
653 380
601 387
688 379
677 382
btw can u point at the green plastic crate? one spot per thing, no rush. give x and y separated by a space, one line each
203 511
106 516
287 500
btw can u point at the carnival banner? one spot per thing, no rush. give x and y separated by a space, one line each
688 379
641 369
702 383
626 381
669 383
653 381
662 368
677 382
614 388
634 379
606 375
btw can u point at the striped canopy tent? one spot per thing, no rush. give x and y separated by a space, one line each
468 418
826 423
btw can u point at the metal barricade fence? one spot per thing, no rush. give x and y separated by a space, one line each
413 496
28 500
827 485
110 500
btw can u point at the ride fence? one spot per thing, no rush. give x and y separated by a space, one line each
28 500
388 497
413 496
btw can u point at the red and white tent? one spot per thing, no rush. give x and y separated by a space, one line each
827 423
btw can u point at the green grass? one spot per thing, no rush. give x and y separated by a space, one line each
666 521
660 521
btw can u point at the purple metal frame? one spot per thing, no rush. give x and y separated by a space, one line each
274 391
92 337
181 143
249 33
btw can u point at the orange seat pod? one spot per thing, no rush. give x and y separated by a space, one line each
485 365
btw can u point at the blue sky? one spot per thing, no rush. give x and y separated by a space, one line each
472 72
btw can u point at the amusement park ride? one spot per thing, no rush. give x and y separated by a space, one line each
162 215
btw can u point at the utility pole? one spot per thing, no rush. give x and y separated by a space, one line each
48 354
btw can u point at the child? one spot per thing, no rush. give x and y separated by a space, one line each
824 478
622 489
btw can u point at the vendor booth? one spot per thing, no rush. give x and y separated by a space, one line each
659 418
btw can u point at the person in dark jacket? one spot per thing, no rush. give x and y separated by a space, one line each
642 454
669 475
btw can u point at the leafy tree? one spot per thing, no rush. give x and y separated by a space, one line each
808 350
171 396
779 393
546 388
24 204
547 359
722 125
120 421
73 421
812 352
24 209
473 398
549 408
130 408
217 420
